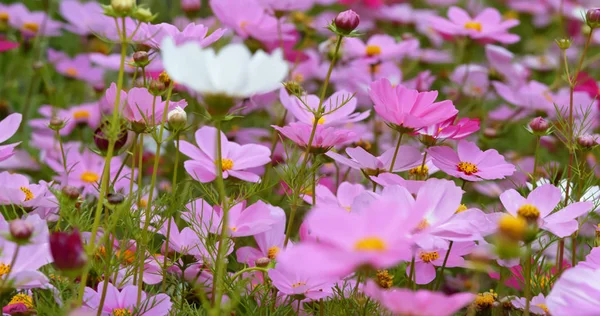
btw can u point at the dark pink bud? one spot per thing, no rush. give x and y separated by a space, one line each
20 229
347 21
15 309
586 141
102 141
592 18
67 251
539 124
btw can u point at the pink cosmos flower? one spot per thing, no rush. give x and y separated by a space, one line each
7 45
421 302
39 235
124 302
537 305
407 108
379 47
576 292
87 113
185 241
427 260
471 163
291 282
450 130
269 243
249 19
391 179
191 33
367 3
83 17
236 159
409 157
24 270
538 207
16 189
80 68
375 235
501 61
287 5
346 194
486 27
35 23
8 128
324 139
473 80
336 113
140 104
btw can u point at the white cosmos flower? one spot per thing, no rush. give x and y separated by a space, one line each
233 71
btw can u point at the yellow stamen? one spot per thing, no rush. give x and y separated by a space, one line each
472 25
233 229
529 212
4 269
321 120
127 256
512 227
71 71
374 244
548 96
4 16
226 164
23 299
28 193
273 251
420 171
467 168
373 50
384 279
31 26
81 114
485 300
543 307
298 77
422 225
461 208
429 256
89 177
121 312
295 285
143 203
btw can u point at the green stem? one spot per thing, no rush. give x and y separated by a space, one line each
536 158
396 152
62 151
235 276
441 276
131 177
288 231
527 269
412 272
173 190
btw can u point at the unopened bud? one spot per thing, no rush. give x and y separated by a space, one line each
38 65
293 88
156 87
262 262
592 18
122 7
539 125
115 198
143 15
490 132
190 6
20 230
71 192
347 21
177 119
586 141
563 43
102 141
67 251
56 123
140 58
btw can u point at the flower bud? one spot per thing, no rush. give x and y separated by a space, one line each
56 124
71 192
122 7
140 58
586 141
177 119
143 15
262 262
67 251
293 88
156 87
15 309
102 141
347 21
592 18
539 125
191 6
563 43
20 230
115 198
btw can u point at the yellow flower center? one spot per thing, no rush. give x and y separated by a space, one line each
420 171
375 68
422 225
467 168
23 299
31 26
321 121
28 193
273 251
384 279
373 50
295 285
512 227
429 256
548 96
4 16
4 269
511 15
143 203
121 312
127 256
243 25
472 25
374 244
101 252
89 177
529 212
164 78
461 208
365 144
81 114
233 228
543 307
226 164
71 71
298 77
485 300
348 208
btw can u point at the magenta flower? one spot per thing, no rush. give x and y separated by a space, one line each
421 302
409 157
7 45
291 282
450 130
140 104
68 251
191 33
8 128
324 139
236 159
471 163
124 302
486 27
83 17
379 47
80 68
538 207
576 292
334 113
87 113
409 109
427 260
